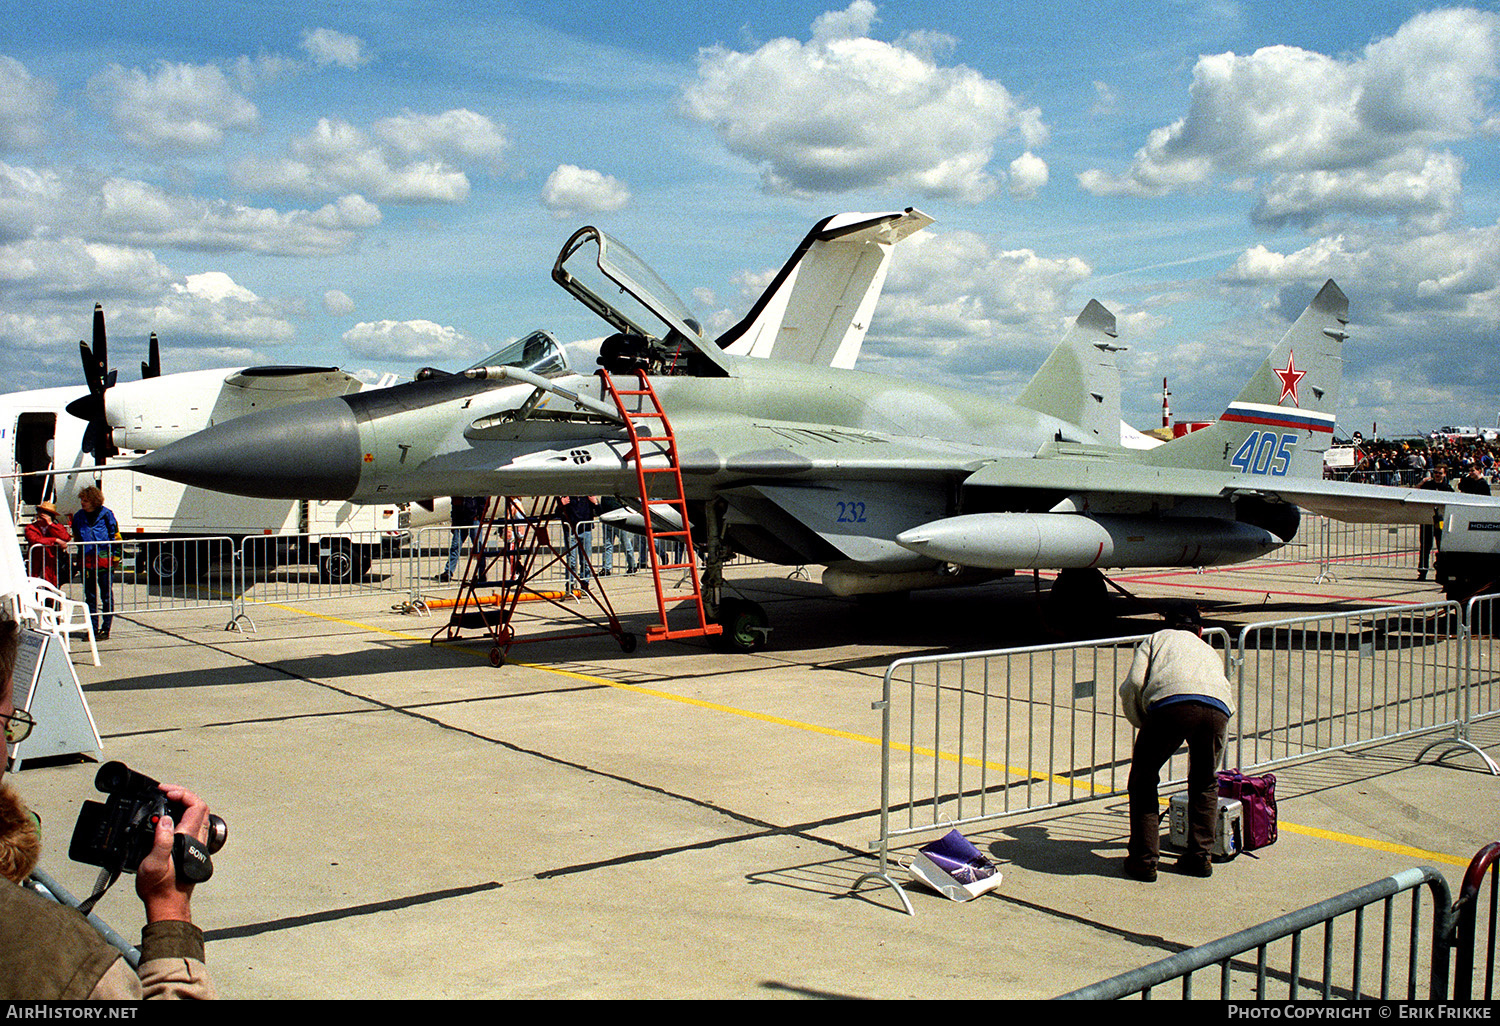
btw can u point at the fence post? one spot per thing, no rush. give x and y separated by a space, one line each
1467 673
883 871
1465 922
1325 575
239 585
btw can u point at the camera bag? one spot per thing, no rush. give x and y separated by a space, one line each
1257 797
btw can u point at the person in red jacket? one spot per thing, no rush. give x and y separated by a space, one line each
46 538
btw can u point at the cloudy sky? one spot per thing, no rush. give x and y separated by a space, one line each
385 185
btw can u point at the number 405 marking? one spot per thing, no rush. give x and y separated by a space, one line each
1265 452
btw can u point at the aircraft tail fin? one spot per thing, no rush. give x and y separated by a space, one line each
1080 380
817 308
1282 421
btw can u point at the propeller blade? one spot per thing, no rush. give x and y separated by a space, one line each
98 438
91 376
101 346
151 366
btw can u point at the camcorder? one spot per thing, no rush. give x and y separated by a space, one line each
118 833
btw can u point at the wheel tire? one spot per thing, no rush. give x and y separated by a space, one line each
1080 596
739 618
627 643
341 564
174 563
163 565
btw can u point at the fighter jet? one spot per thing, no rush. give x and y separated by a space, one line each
792 457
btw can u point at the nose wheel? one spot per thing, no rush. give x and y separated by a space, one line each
746 627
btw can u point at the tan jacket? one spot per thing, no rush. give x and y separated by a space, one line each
49 952
1173 662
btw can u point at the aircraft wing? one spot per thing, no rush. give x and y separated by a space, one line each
1377 504
302 382
1103 479
156 411
1100 480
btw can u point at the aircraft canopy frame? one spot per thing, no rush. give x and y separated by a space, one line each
607 277
538 352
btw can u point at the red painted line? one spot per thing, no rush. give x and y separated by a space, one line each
1159 579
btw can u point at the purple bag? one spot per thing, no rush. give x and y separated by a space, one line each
1257 798
956 855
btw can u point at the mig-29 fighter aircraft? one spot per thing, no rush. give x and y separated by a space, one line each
788 455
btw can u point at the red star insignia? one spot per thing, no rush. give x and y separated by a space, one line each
1289 376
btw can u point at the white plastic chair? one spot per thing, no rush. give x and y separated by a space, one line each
54 613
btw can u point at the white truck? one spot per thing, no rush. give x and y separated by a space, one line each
1468 559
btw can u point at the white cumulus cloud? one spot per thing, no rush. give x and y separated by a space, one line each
406 340
844 111
955 302
571 189
185 106
123 211
327 46
456 134
24 105
337 303
1028 175
409 162
1351 134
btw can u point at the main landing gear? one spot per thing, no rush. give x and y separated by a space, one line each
1078 596
745 624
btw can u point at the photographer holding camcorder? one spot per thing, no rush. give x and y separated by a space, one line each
51 952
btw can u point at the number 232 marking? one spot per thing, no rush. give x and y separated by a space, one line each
851 513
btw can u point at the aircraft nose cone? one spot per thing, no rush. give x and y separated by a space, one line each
307 451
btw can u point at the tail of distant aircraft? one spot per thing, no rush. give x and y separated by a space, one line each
1282 422
817 308
1080 382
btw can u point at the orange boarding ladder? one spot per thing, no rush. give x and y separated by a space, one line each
648 423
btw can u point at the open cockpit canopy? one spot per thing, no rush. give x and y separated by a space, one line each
605 276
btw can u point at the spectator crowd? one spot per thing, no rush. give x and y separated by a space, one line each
1409 462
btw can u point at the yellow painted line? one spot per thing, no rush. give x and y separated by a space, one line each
1365 842
1291 828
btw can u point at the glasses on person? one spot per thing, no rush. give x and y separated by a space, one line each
17 726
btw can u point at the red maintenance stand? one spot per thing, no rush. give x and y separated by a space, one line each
517 548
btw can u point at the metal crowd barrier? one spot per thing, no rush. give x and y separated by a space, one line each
1390 545
151 576
1463 942
1473 951
1482 617
301 568
1391 965
216 570
1322 683
1325 543
42 883
975 737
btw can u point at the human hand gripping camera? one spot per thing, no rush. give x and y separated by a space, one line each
163 833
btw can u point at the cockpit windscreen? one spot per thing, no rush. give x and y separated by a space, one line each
538 352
